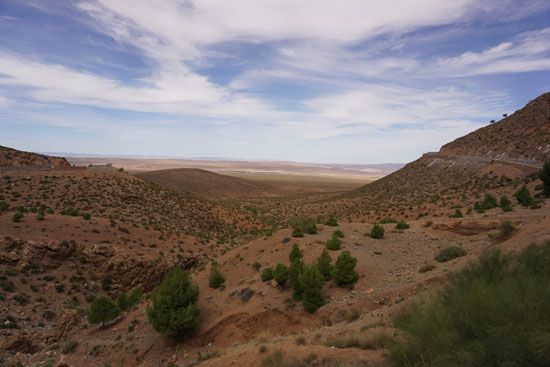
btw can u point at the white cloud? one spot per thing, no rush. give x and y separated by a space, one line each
168 91
529 51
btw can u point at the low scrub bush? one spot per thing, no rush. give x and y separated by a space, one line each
493 313
344 269
334 244
215 278
402 225
524 197
331 221
377 231
267 274
449 253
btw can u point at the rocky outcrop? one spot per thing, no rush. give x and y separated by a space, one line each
124 270
467 227
523 136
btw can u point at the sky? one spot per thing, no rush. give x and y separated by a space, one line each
347 81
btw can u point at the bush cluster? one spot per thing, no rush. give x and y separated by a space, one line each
307 281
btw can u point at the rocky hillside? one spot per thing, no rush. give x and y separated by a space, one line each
525 135
12 158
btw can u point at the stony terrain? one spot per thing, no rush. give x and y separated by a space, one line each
69 235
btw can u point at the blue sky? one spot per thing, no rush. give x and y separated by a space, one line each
348 81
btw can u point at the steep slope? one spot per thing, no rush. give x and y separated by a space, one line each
12 158
205 183
525 135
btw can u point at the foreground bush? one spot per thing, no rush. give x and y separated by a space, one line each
173 307
449 253
493 313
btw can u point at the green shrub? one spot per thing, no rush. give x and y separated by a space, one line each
17 216
449 253
122 302
334 244
70 212
102 310
331 221
505 204
134 298
478 207
493 313
267 274
295 254
312 229
301 225
377 231
106 283
524 197
324 264
70 347
215 279
490 202
505 231
388 221
4 205
297 233
338 234
311 282
344 269
544 175
280 274
457 214
173 307
402 225
87 216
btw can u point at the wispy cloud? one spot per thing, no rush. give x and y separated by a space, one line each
530 51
